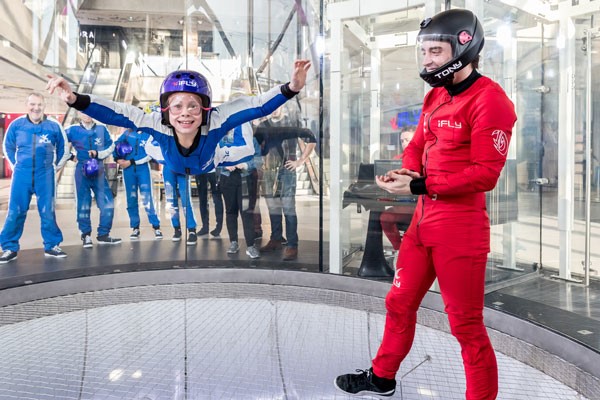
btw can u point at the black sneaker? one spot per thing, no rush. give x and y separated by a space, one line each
365 383
105 239
177 235
55 252
87 240
216 232
157 234
203 231
8 255
135 234
192 239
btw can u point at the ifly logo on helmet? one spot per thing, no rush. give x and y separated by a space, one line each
449 70
187 83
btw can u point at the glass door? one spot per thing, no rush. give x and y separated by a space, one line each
585 258
516 56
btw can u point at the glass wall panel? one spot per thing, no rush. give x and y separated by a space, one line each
120 52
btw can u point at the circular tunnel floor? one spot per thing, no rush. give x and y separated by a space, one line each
230 345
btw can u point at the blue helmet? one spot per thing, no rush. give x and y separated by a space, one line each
123 149
188 82
91 167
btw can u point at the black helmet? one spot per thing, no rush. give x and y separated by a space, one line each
462 30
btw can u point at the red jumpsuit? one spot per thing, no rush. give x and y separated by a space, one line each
460 146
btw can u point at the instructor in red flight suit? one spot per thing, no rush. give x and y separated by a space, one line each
456 155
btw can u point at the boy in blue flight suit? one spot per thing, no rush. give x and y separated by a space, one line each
188 129
35 146
130 154
92 141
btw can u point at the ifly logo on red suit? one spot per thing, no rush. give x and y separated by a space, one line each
444 122
500 141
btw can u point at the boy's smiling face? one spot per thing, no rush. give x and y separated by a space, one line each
185 113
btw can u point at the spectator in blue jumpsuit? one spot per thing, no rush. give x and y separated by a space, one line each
91 140
136 176
35 145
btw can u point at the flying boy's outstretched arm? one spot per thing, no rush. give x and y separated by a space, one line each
62 87
298 80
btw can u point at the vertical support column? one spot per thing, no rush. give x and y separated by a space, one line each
566 143
375 111
335 134
509 236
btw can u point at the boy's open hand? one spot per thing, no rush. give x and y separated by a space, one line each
59 84
298 80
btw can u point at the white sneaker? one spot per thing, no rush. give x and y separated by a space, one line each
252 252
87 241
135 234
7 256
234 247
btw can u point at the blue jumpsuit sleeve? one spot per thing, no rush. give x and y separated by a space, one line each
120 114
246 108
10 145
109 146
119 140
61 147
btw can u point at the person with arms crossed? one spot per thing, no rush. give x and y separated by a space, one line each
35 146
279 144
457 154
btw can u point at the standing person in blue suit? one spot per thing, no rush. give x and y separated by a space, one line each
35 146
130 154
92 144
188 128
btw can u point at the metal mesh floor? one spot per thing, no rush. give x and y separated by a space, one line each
224 348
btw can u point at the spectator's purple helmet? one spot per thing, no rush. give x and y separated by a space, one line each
189 82
123 149
91 167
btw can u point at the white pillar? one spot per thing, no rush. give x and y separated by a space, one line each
375 111
335 134
566 143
